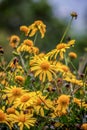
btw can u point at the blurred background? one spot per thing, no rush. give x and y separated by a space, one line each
54 13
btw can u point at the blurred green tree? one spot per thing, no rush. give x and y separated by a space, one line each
24 12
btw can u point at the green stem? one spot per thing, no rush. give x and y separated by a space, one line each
35 38
66 62
68 26
73 66
22 62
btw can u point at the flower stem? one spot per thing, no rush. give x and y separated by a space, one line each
68 26
23 64
35 38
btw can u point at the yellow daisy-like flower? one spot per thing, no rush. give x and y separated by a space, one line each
13 92
4 118
34 50
33 28
60 49
61 106
41 104
37 25
59 111
63 100
22 119
25 100
43 68
72 79
62 68
25 46
14 41
28 46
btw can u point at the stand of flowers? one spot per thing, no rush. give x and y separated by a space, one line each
41 91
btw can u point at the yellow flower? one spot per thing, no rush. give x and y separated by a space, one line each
24 29
13 92
34 50
79 102
72 79
27 46
41 104
72 55
25 100
43 68
59 111
60 49
84 126
41 55
71 43
61 106
14 41
22 119
19 79
3 79
63 100
4 118
58 124
28 42
37 25
62 67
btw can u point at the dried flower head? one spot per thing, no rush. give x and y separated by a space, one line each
74 15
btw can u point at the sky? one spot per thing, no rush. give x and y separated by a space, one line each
63 8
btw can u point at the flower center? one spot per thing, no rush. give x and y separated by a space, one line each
25 98
11 111
63 103
15 40
16 91
2 116
22 118
60 46
45 65
39 102
65 68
